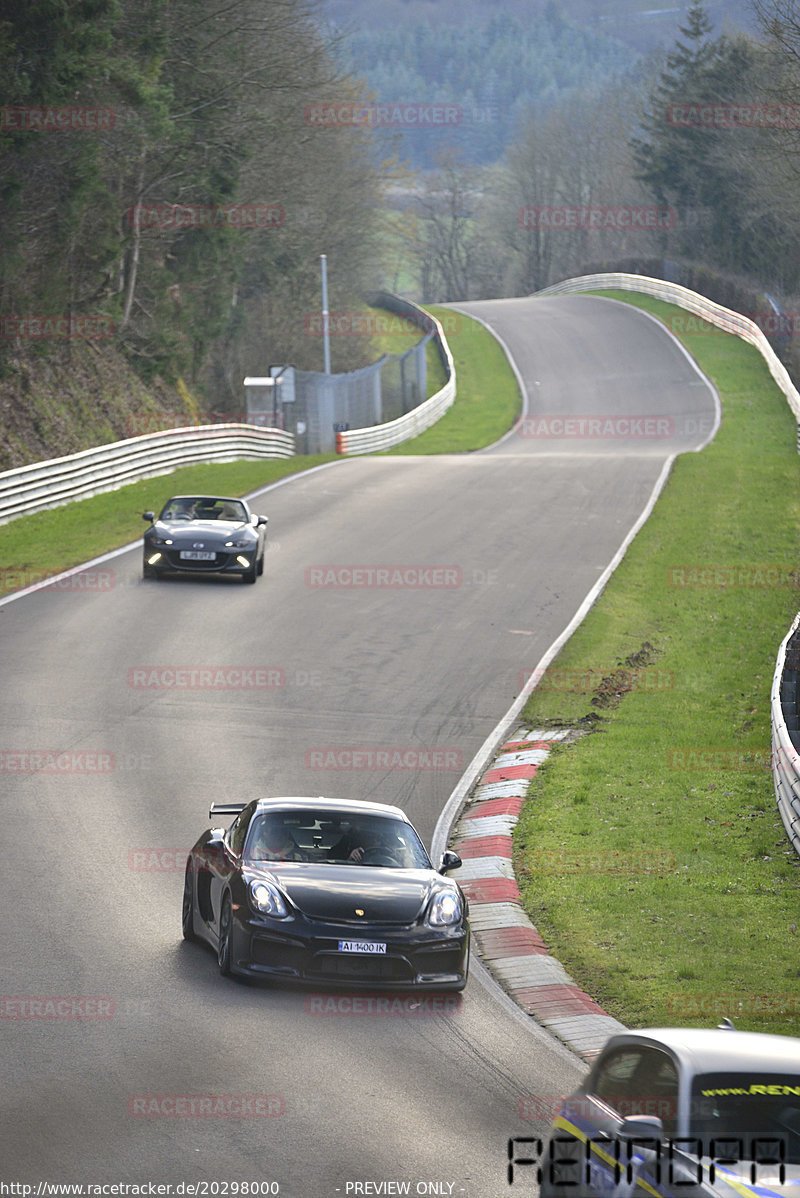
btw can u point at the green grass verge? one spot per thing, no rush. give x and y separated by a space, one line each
650 854
488 400
45 543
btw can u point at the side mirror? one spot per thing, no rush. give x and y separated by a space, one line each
636 1127
450 860
645 1134
262 520
149 516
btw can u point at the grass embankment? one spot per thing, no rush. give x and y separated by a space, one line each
650 854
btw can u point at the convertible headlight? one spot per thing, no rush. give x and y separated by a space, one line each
160 541
267 899
242 543
445 909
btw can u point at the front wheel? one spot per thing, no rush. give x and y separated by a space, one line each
225 937
250 575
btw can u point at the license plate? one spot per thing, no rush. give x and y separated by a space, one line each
194 555
361 946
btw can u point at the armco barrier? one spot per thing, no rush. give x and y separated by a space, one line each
384 436
785 734
108 467
672 293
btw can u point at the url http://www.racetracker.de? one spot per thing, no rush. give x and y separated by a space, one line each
142 1189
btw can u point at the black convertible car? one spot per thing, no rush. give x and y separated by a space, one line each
205 534
326 891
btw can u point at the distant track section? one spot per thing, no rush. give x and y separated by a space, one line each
723 318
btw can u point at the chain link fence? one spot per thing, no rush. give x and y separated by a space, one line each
316 406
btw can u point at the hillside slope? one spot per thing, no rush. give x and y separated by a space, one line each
78 396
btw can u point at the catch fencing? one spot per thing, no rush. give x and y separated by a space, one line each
365 410
410 424
50 484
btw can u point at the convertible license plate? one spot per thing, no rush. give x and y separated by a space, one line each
194 555
361 946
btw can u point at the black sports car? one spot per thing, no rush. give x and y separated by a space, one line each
326 891
205 534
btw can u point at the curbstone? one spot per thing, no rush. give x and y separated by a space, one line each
509 945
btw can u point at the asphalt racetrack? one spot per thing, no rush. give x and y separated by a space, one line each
403 602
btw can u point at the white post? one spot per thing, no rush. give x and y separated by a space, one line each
325 314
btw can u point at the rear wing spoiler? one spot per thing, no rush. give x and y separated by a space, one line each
225 809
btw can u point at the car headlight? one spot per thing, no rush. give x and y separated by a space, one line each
267 899
159 540
445 909
242 543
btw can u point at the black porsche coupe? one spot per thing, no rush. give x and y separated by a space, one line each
329 891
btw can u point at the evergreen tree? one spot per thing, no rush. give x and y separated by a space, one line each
671 157
694 157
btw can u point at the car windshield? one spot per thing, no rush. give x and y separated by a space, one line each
340 839
204 507
757 1109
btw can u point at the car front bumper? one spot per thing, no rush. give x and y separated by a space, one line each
307 952
225 561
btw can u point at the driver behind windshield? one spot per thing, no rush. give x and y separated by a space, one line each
181 509
375 843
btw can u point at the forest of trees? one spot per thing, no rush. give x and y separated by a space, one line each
158 170
493 71
691 158
162 170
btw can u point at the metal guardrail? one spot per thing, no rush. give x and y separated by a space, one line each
785 722
785 734
384 436
673 293
50 484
